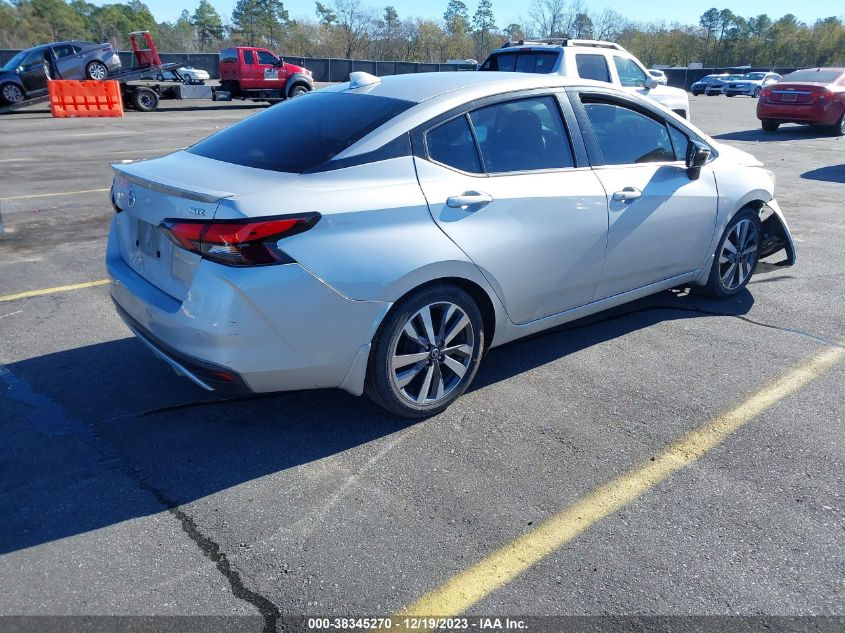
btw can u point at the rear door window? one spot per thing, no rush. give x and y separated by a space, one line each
522 135
63 50
302 133
592 67
249 57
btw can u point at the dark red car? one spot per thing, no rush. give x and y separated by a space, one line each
815 96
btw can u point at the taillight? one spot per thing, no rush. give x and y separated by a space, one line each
248 242
766 92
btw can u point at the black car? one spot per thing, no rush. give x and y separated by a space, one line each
26 74
702 84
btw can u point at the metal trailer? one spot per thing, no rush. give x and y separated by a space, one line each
144 95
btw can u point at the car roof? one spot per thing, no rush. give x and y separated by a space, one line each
419 87
438 92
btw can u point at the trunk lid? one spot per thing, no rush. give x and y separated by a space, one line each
795 93
179 186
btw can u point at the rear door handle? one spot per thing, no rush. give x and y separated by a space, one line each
469 199
627 194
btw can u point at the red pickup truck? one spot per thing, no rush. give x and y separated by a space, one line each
247 72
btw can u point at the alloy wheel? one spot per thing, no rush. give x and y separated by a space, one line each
12 94
97 71
739 254
432 353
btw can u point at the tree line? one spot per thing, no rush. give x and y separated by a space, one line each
352 29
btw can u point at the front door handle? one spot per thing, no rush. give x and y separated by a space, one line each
469 199
627 194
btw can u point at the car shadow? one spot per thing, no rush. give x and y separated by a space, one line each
831 173
105 433
784 133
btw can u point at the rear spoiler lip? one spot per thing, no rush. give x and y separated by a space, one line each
172 189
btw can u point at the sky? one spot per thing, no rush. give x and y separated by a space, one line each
506 11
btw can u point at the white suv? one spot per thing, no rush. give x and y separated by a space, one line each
588 59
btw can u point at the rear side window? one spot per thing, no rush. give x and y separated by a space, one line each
592 67
452 144
64 50
539 62
522 135
628 137
629 73
300 134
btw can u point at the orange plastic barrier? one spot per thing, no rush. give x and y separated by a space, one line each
85 98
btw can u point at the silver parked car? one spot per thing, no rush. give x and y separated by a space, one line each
751 84
384 250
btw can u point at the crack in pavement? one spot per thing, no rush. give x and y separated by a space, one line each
53 420
211 550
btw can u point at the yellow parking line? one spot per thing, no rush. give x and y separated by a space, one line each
51 195
475 583
49 291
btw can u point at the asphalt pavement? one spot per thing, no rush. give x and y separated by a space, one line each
127 490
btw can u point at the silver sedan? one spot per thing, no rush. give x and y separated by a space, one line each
379 235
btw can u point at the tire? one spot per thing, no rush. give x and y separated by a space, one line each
445 369
144 100
96 71
298 90
11 94
838 128
769 125
695 94
757 91
736 256
728 94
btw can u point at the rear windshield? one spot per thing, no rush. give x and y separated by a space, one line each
302 133
814 76
540 62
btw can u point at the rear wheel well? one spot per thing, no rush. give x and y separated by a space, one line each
478 294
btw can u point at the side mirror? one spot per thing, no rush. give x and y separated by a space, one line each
651 83
697 156
279 63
